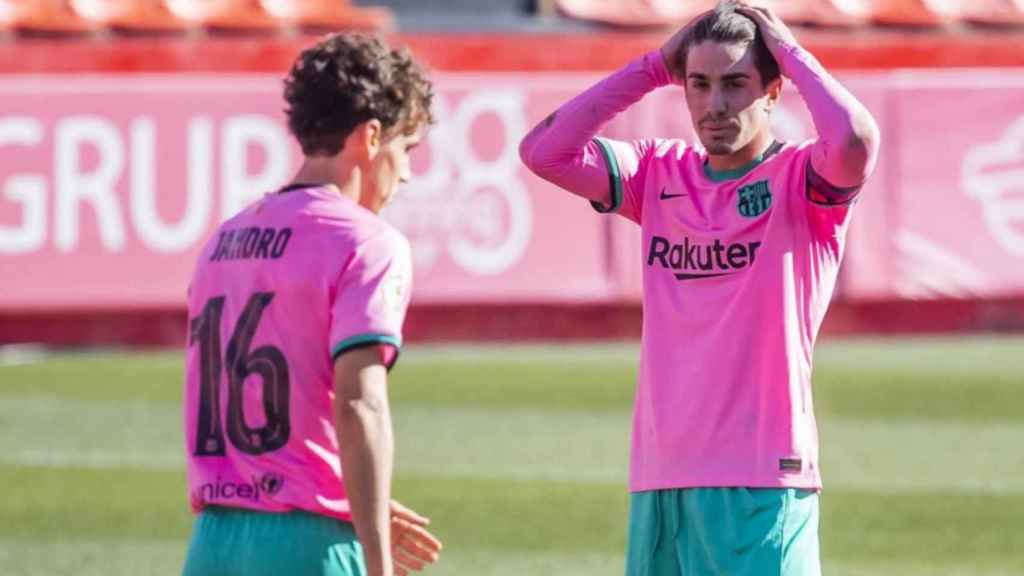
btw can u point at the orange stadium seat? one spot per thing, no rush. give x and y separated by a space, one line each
662 12
236 14
42 16
635 12
329 14
916 12
139 15
821 12
997 12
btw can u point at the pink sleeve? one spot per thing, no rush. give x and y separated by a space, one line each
564 151
846 151
371 297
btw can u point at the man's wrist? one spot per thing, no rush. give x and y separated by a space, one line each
378 564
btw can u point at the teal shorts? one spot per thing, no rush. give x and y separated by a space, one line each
237 542
723 531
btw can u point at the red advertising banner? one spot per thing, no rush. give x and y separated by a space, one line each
483 228
110 183
957 226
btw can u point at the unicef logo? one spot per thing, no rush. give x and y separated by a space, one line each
253 490
271 484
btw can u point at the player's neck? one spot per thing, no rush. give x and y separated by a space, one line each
329 172
754 150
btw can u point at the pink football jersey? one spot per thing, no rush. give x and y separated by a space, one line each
279 292
738 272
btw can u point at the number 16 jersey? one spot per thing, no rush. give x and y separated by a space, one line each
279 292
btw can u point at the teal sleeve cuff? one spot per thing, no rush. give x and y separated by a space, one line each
364 340
614 178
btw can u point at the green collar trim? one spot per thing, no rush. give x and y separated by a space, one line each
737 173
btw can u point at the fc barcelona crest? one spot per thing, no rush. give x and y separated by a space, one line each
754 199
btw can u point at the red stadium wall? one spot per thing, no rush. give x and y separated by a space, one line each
875 49
913 208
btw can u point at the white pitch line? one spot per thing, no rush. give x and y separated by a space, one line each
527 444
106 460
94 460
22 354
829 351
560 352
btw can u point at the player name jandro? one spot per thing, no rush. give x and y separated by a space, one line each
252 243
692 260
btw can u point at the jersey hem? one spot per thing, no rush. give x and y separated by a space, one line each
283 509
801 483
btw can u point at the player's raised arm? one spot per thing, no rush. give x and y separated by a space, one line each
562 149
847 148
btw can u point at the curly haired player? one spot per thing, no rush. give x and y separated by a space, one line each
296 308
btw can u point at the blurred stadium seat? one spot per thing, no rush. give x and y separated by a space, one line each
141 16
635 12
916 12
129 15
830 13
821 12
329 14
229 14
464 15
664 12
53 16
995 12
177 15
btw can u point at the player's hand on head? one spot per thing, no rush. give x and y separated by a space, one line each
774 31
412 545
672 50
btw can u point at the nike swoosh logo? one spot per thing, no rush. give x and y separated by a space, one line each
685 276
670 196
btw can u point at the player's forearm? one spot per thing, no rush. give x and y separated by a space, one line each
366 446
848 134
561 150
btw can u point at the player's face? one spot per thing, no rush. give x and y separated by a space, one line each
728 102
389 168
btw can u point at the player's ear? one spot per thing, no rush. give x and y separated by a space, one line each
365 140
773 92
373 135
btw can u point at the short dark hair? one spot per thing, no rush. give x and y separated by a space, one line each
348 79
727 26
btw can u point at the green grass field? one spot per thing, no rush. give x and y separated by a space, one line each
519 455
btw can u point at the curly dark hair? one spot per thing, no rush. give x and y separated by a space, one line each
348 79
727 26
